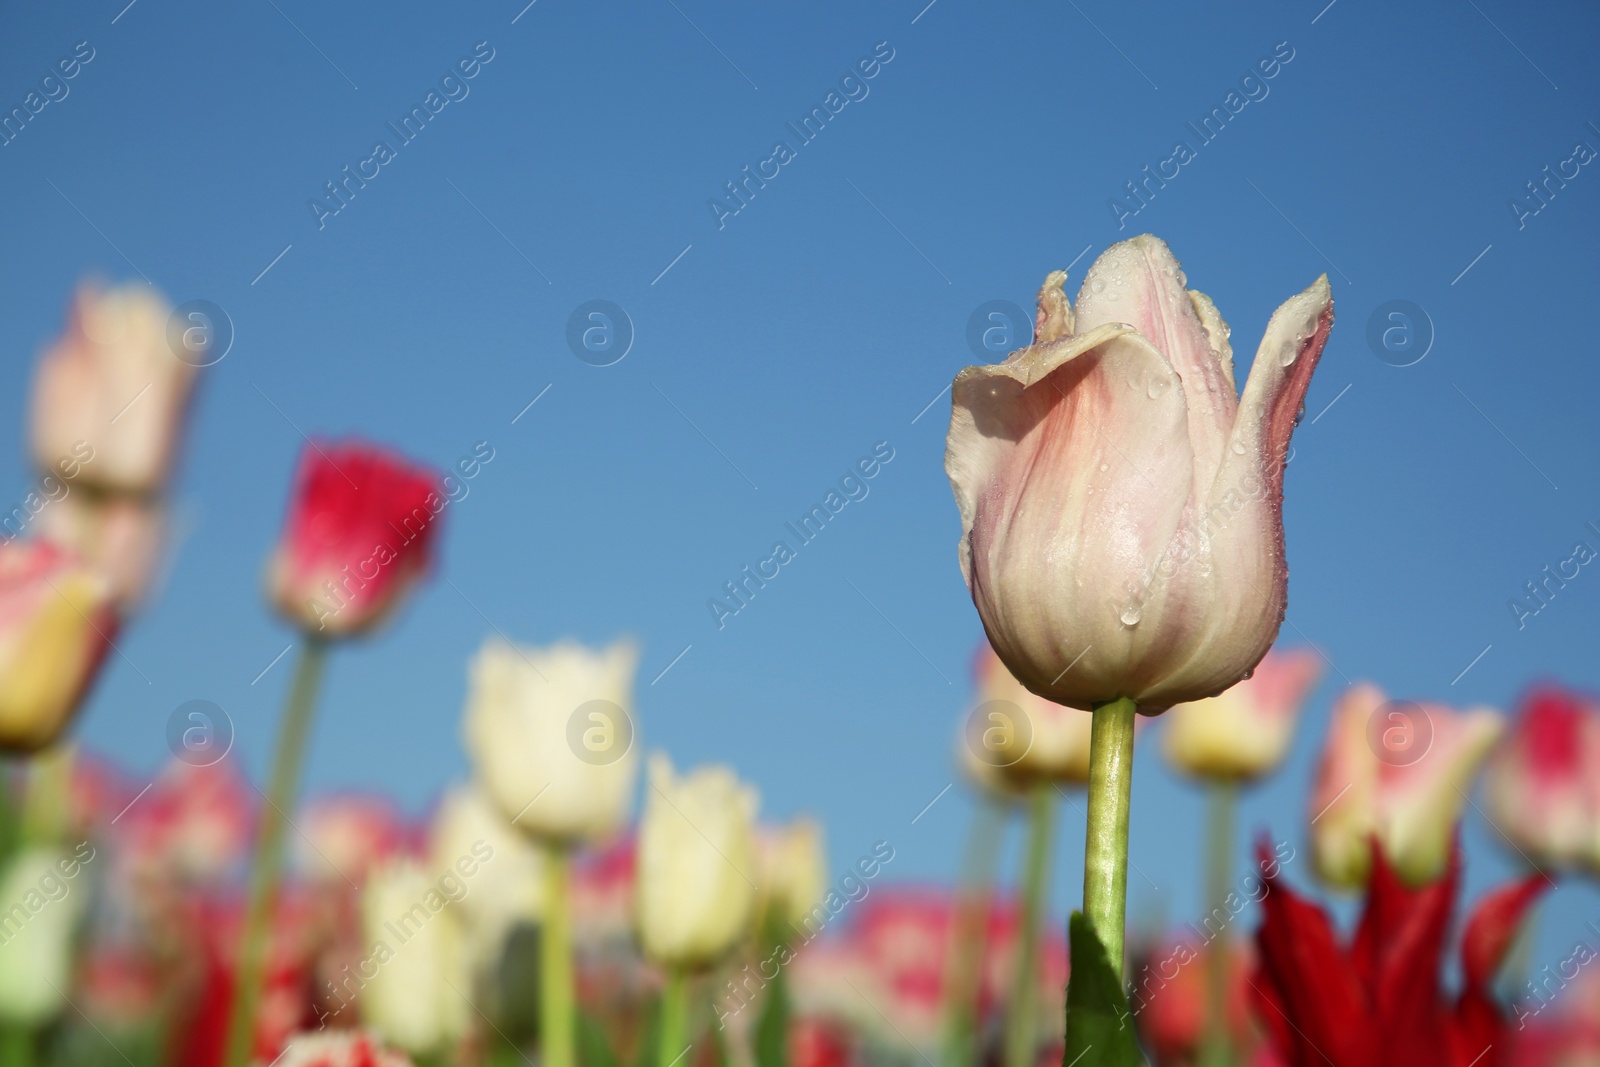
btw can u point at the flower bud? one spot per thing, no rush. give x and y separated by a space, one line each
415 957
39 911
1244 732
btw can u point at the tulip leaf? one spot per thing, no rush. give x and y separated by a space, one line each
1099 1021
593 1048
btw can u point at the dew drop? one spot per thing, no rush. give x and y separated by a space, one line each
1104 467
1099 285
1130 615
1182 278
1238 447
1288 354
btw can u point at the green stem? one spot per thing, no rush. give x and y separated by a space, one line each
1105 850
287 760
1216 1049
1021 1024
557 1032
961 985
674 1019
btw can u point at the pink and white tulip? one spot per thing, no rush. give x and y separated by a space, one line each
1542 787
1398 772
1244 732
1122 530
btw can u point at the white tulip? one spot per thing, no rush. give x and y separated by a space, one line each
415 956
39 910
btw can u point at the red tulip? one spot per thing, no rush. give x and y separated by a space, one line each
1543 785
1377 1002
360 532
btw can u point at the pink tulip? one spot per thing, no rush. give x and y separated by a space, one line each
1244 732
111 394
1398 771
1543 785
360 532
1120 503
345 837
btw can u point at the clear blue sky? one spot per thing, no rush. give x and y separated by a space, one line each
819 320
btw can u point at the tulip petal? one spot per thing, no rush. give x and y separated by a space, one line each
1071 458
1139 282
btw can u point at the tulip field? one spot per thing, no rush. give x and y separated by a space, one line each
529 611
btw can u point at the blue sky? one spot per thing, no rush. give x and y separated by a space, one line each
775 347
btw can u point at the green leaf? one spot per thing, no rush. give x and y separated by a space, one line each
772 1029
1099 1021
593 1048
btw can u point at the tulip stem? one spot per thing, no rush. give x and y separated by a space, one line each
1216 1048
1105 851
556 1023
1021 1024
287 760
970 935
674 1019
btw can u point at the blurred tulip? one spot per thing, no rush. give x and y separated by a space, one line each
1244 732
111 394
1026 738
602 894
120 534
1169 1000
1399 771
1378 1001
343 838
417 956
1120 503
57 621
697 865
793 870
360 532
194 824
555 726
504 892
336 1048
1543 785
39 912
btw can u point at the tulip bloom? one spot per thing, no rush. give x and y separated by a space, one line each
416 956
550 732
697 865
345 838
122 535
508 888
36 958
112 386
1377 1002
1244 732
1543 785
1121 527
1399 772
339 1048
57 621
1028 739
360 532
793 871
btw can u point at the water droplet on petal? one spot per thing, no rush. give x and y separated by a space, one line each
1099 285
1130 615
1104 467
1288 354
1238 447
1182 278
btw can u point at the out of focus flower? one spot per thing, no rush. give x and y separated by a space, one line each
1543 785
506 889
793 870
1168 999
1244 732
360 532
57 621
122 535
697 864
416 957
1026 738
336 1048
194 824
550 732
1399 771
343 838
1378 1001
120 985
111 393
1121 520
602 894
39 912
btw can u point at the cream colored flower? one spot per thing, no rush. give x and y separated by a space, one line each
414 957
39 912
696 864
793 866
1023 737
506 889
550 732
